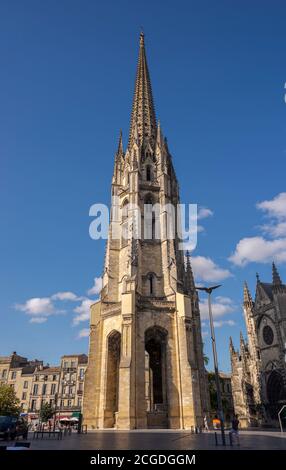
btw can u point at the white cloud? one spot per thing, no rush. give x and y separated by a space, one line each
37 306
206 270
84 333
220 306
205 334
204 212
66 296
97 286
259 250
271 246
40 308
275 230
220 323
38 320
274 208
83 311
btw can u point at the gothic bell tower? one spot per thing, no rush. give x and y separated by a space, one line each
146 366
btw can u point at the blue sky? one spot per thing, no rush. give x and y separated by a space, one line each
67 75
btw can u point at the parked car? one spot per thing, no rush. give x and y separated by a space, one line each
12 427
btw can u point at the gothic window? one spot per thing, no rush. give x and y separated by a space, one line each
268 335
124 225
148 173
151 284
149 219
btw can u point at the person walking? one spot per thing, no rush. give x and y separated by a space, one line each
206 426
235 429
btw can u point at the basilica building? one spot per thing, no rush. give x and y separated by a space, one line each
146 363
259 367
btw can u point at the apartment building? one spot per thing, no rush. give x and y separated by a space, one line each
36 384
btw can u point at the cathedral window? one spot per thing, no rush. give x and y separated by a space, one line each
148 173
151 284
268 335
124 225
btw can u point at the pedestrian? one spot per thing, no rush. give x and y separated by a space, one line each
206 426
234 429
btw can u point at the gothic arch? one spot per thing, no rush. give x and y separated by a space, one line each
113 350
275 388
156 376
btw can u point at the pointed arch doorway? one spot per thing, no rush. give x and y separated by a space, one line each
156 377
112 379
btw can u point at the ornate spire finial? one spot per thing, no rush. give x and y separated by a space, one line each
231 347
247 299
143 112
257 278
276 281
142 38
189 273
120 144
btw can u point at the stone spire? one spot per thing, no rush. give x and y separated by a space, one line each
276 281
189 274
242 343
120 151
231 347
247 299
143 113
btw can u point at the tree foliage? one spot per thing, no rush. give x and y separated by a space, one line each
46 412
9 403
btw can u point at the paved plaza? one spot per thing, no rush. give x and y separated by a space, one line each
158 440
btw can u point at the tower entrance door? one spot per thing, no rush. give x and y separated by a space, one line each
155 377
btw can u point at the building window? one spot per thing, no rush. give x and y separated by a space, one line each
26 384
151 284
62 403
268 335
81 374
24 395
54 378
52 402
33 405
65 365
69 403
79 402
4 374
148 173
44 389
53 389
36 378
80 387
35 389
13 375
124 224
73 364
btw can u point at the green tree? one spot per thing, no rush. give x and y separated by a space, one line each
9 403
46 412
213 394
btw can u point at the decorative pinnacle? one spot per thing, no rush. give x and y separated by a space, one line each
275 276
231 347
142 39
247 299
120 144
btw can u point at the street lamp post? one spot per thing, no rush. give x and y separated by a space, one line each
209 290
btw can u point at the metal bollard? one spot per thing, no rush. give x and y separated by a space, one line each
216 443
